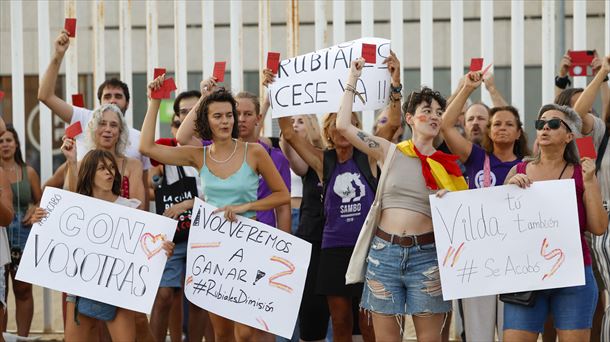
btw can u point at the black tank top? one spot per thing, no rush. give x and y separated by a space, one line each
311 222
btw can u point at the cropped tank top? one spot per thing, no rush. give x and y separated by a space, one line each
240 187
22 192
405 186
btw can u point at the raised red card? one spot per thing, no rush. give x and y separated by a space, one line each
70 26
476 64
369 53
78 100
586 148
165 91
219 71
581 61
73 130
158 72
273 61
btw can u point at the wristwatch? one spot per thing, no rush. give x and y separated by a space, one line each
396 89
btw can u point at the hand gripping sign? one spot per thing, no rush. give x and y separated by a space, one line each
315 82
97 250
245 271
506 239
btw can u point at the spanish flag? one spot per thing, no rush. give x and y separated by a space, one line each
440 170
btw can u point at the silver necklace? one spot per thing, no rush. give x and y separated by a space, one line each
226 160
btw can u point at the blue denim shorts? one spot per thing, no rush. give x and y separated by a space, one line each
175 267
18 233
92 308
403 280
2 288
572 308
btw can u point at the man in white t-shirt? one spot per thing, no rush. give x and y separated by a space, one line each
111 91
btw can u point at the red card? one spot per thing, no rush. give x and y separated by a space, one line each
219 71
581 60
476 64
165 91
78 101
586 148
273 61
369 53
73 130
70 26
1 95
158 72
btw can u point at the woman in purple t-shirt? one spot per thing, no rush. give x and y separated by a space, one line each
571 307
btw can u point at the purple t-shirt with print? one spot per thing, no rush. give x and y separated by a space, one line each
347 201
283 167
474 168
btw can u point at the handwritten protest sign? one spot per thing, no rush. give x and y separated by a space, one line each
245 271
315 82
506 239
97 250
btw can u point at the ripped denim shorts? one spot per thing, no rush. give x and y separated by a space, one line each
403 280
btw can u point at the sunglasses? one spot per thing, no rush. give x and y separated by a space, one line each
553 124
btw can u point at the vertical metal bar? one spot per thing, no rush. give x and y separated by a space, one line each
292 26
207 45
548 51
517 60
457 42
264 38
425 43
17 83
125 51
71 56
152 47
180 62
579 42
237 79
45 147
487 41
99 61
338 21
367 16
320 24
397 34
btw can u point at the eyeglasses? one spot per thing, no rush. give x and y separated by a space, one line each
553 124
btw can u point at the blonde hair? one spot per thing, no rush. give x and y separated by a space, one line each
94 123
312 129
331 118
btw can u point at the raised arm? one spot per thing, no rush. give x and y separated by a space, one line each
459 145
564 67
496 98
297 164
186 133
70 166
597 216
585 101
169 155
394 113
375 147
46 90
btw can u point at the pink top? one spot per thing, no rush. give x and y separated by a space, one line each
582 214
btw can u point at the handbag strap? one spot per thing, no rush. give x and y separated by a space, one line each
601 150
181 173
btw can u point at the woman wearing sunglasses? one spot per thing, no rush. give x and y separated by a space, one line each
503 146
557 158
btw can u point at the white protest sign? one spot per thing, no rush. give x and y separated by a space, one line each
506 239
315 82
97 250
245 271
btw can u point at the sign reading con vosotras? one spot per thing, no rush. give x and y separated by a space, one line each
506 239
315 82
97 249
245 270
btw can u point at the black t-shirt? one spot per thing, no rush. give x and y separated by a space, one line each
311 222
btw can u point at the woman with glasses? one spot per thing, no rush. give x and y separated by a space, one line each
557 158
503 146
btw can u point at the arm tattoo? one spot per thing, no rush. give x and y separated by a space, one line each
368 140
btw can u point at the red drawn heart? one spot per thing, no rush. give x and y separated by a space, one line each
153 240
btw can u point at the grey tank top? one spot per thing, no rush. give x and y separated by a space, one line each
405 186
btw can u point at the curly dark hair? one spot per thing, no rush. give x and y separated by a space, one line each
184 95
520 148
424 95
113 83
202 125
88 168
